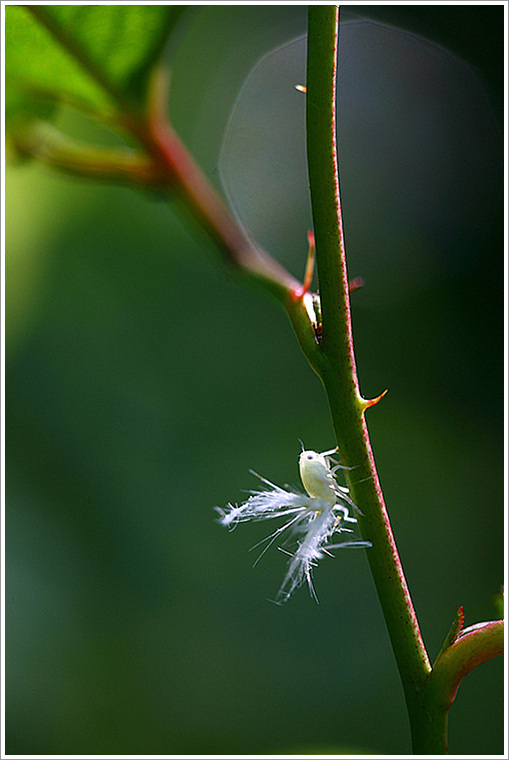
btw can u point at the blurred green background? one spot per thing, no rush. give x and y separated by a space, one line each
142 385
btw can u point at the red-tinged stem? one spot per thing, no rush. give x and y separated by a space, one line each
428 693
200 198
340 373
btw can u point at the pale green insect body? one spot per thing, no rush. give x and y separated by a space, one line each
312 518
317 476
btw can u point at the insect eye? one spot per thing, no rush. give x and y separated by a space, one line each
310 456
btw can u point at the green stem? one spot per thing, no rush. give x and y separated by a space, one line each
123 165
429 693
475 646
340 375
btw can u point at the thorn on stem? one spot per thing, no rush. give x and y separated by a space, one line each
366 403
310 268
356 284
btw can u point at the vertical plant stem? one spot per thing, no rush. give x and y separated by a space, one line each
339 373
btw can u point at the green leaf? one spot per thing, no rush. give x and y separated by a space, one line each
95 56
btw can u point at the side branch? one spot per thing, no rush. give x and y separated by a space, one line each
475 646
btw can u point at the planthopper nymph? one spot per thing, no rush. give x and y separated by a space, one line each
313 518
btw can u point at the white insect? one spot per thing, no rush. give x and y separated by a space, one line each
314 517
